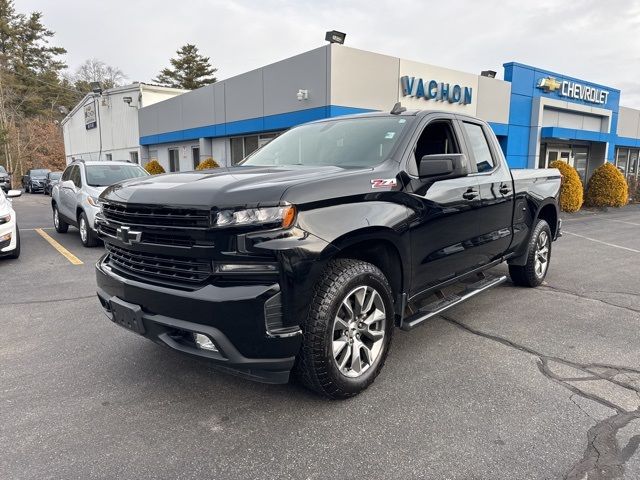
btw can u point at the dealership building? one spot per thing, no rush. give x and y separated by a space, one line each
539 116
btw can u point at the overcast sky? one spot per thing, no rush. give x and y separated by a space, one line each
594 40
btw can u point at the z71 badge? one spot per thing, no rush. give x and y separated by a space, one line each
383 183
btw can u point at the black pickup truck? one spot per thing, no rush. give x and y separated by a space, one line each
303 258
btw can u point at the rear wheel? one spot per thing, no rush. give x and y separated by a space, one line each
348 331
61 225
87 236
534 271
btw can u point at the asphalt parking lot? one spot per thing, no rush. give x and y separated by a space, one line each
514 384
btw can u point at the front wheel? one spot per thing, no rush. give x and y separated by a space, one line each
534 271
348 330
87 236
15 253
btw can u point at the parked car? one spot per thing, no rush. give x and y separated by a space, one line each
9 233
5 180
33 181
74 198
308 254
50 181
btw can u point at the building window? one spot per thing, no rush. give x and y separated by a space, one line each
174 160
195 155
241 147
133 157
628 161
109 157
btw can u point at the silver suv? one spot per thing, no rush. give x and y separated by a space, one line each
75 198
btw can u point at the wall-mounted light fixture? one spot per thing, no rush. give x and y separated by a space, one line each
302 95
96 88
488 73
335 37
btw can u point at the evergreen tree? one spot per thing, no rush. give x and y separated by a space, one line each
189 70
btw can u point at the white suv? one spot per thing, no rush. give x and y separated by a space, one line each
9 233
75 198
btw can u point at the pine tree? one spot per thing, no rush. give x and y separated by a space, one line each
189 70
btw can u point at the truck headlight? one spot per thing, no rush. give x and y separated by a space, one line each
284 215
93 201
5 218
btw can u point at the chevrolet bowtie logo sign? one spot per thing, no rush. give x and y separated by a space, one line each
549 84
127 235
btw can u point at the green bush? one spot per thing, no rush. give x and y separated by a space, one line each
571 191
154 168
607 187
207 164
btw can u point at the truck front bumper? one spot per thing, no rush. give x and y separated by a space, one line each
233 318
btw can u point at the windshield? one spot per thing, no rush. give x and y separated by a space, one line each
353 142
105 175
55 175
40 173
2 170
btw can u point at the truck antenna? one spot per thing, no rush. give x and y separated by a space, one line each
398 109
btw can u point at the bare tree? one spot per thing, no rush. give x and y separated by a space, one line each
94 70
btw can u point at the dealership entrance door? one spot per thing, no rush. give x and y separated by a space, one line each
576 155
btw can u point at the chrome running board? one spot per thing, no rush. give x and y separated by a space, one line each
445 302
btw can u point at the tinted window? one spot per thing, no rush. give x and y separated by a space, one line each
345 143
55 175
66 174
104 175
437 138
479 147
41 172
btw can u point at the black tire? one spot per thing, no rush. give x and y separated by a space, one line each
60 225
16 252
315 366
28 189
87 235
529 274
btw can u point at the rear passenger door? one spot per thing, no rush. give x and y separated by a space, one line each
496 191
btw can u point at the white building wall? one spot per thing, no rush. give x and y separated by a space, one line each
117 130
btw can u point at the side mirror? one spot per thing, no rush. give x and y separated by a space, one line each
68 184
441 167
14 193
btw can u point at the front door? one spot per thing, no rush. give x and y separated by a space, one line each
563 154
445 219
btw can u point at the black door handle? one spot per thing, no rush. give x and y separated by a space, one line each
470 194
504 190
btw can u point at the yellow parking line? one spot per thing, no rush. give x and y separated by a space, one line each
63 251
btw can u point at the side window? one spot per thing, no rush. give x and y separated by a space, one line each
436 138
75 177
479 146
66 174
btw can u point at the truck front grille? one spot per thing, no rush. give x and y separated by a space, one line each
159 267
156 216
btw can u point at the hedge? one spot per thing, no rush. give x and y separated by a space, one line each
571 191
607 187
207 164
154 168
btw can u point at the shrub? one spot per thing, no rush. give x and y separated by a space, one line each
572 191
154 168
207 164
607 187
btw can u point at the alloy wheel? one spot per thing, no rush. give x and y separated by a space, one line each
83 230
56 220
542 254
358 331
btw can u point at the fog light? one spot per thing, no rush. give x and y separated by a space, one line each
6 237
204 343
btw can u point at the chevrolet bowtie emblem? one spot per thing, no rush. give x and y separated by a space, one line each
127 235
549 84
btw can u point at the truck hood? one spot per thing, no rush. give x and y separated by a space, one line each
222 187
